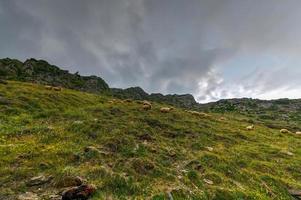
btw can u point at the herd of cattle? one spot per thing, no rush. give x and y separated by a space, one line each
146 105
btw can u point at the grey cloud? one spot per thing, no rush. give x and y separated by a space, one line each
164 46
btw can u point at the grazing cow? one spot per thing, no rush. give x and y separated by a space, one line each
250 128
57 89
128 100
48 87
298 133
222 118
198 113
284 131
147 103
165 110
147 107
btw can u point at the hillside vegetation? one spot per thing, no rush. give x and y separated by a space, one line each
130 153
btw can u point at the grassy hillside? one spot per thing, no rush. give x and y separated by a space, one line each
129 153
280 113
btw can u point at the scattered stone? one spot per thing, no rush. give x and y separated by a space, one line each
69 181
39 180
209 182
82 192
209 148
54 197
28 196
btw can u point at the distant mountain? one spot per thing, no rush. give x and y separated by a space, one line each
287 112
137 93
40 71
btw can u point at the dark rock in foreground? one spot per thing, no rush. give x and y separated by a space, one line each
82 192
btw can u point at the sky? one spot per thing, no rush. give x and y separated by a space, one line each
213 49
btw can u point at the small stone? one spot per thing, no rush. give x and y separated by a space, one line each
54 197
82 192
78 122
39 180
209 182
28 196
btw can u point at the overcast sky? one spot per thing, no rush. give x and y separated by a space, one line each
213 49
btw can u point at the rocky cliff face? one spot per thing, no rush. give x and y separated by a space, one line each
185 101
40 71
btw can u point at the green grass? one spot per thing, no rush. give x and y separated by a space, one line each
142 154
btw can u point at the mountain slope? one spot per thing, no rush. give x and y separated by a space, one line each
129 153
137 93
287 113
281 113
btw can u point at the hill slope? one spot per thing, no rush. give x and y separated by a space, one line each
130 153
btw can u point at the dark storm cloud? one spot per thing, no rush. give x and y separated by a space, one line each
161 45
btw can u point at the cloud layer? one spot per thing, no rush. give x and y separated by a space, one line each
211 48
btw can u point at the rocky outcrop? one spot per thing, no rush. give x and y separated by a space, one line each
137 93
82 192
40 71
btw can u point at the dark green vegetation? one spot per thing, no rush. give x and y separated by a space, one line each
134 154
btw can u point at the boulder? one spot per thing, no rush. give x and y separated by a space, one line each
82 192
39 180
28 196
